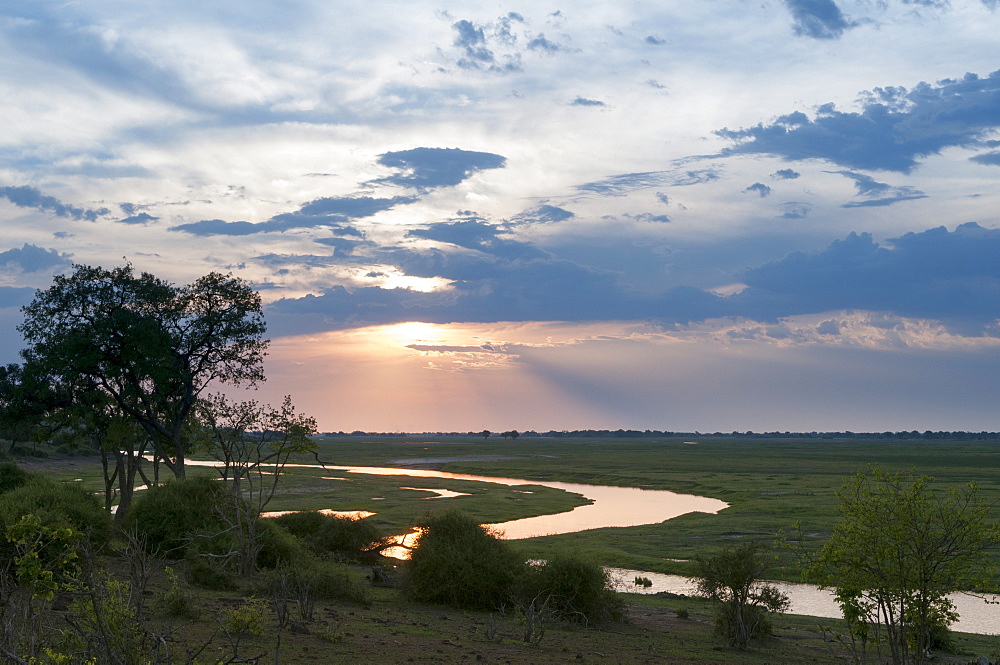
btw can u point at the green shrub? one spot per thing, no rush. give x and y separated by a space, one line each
311 578
329 534
577 589
12 476
209 572
460 563
170 515
280 548
58 505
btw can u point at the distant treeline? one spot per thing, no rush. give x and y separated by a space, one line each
653 434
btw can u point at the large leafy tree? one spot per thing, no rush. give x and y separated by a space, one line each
148 346
900 549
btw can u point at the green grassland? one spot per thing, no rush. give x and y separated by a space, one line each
770 484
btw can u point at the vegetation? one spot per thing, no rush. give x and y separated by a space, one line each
733 580
110 345
457 562
899 550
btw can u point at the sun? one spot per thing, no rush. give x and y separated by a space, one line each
414 331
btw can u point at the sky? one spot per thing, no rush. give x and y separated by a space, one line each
692 216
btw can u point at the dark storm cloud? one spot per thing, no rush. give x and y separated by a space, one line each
953 277
877 194
819 19
331 213
894 129
30 197
760 189
31 258
584 101
429 168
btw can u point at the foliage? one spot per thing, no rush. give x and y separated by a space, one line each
577 589
331 534
254 443
310 579
900 548
12 476
149 347
169 516
56 505
460 563
732 580
178 601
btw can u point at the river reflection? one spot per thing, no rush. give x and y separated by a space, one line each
975 615
609 507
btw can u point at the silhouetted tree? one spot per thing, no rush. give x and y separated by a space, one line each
148 346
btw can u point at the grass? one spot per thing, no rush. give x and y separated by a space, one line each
769 485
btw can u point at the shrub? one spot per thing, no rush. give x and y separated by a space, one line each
12 476
209 572
460 563
58 505
278 547
170 515
329 534
312 579
577 589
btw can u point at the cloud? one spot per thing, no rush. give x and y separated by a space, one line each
30 197
953 277
331 213
795 210
429 168
988 158
543 214
654 40
472 40
584 101
141 218
819 19
894 129
760 188
341 246
878 193
620 185
31 258
540 43
785 174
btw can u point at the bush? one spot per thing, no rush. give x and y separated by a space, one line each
170 515
279 547
58 505
460 563
329 534
209 572
12 476
577 590
311 579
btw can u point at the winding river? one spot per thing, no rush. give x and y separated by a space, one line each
630 506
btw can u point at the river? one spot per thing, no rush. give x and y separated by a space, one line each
630 506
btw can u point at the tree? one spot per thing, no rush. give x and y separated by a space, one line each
900 548
485 433
732 579
151 347
254 443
